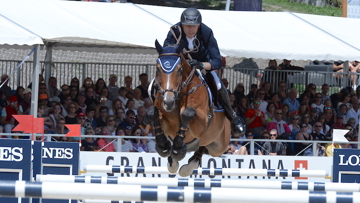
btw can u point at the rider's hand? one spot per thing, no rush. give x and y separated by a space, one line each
196 64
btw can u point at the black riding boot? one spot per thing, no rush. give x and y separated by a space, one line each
238 125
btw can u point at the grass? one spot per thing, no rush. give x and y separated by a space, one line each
285 5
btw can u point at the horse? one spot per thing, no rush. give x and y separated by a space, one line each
182 116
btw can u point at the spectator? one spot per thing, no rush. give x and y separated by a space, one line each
267 88
26 102
106 144
144 83
81 119
104 113
313 116
260 94
305 118
226 84
44 100
324 93
7 113
73 93
303 109
303 148
245 148
65 107
141 115
119 116
91 99
352 123
329 115
99 86
345 99
325 128
275 98
358 93
292 101
137 98
130 106
65 91
282 91
89 144
105 93
235 144
294 125
81 98
71 116
5 87
239 92
147 102
90 113
138 145
102 102
343 109
112 87
129 89
75 83
285 113
56 115
252 94
317 103
282 128
243 107
48 124
317 132
19 93
88 82
338 124
110 123
310 93
272 148
52 89
122 96
255 119
126 145
233 102
270 111
60 129
336 97
116 104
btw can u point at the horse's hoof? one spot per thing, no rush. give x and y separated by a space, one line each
179 153
173 167
188 169
163 152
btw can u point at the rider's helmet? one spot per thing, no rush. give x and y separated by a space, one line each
191 16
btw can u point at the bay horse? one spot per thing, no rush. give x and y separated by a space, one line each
182 115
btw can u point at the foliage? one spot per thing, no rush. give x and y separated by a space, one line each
285 5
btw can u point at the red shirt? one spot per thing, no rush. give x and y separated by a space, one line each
257 121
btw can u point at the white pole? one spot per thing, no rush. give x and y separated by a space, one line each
203 183
227 7
50 190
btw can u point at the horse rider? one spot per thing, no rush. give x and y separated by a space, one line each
202 48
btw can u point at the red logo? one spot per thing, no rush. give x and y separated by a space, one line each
301 165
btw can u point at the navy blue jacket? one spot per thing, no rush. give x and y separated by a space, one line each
208 49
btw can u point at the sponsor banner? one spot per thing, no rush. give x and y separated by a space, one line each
346 166
61 158
15 163
226 161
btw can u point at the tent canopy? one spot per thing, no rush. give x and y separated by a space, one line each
275 35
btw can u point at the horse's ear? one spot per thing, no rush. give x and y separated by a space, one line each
180 47
159 48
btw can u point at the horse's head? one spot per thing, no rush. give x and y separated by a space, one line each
169 72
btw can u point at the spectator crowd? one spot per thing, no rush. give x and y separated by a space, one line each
101 107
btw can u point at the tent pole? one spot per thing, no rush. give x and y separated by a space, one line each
48 59
227 7
344 8
35 83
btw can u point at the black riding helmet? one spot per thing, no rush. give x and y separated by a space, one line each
191 16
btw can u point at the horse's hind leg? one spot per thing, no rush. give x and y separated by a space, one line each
179 148
193 163
163 145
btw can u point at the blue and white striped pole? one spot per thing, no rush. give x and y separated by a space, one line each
204 183
209 171
51 190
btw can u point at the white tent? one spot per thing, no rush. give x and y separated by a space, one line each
239 34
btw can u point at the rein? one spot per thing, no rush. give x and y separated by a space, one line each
182 86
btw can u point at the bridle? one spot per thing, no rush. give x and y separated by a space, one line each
182 85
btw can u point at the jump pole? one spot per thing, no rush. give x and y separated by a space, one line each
51 190
203 183
209 171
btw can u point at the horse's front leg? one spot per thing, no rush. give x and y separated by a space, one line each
179 148
163 145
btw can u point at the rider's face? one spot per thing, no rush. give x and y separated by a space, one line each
190 30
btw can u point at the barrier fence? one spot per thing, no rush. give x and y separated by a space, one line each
55 190
64 71
203 183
